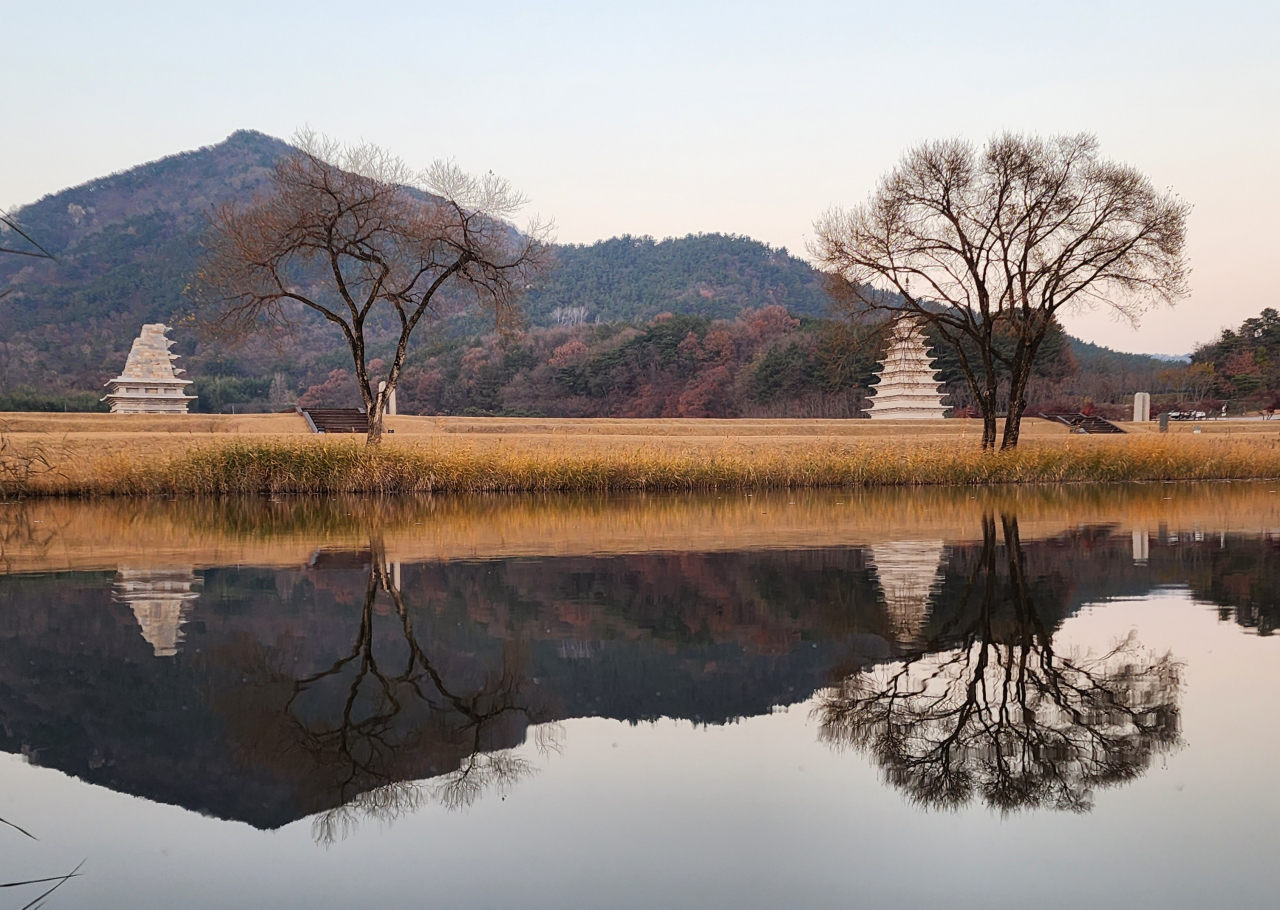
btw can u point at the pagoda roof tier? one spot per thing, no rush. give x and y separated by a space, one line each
908 382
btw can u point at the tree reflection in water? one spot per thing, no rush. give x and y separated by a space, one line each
987 709
382 732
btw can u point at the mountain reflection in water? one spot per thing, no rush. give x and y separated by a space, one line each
356 685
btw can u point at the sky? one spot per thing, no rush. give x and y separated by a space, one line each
676 118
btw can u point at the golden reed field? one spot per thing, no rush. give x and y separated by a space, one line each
106 454
58 534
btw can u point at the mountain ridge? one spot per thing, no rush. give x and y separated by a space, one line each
126 244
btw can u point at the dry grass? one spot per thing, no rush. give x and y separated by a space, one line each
285 466
138 434
104 454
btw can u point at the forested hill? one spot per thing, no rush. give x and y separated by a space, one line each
1096 357
633 279
125 246
1243 364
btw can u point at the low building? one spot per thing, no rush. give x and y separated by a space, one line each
149 382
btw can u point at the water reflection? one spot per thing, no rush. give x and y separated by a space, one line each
341 659
159 599
363 731
987 709
1242 579
908 572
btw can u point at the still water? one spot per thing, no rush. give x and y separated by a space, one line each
1051 698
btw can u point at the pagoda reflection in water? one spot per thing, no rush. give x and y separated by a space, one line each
159 599
908 570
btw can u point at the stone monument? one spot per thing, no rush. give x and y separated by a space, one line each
908 388
390 409
149 384
1141 407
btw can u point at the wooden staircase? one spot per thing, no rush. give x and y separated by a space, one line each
336 420
1083 423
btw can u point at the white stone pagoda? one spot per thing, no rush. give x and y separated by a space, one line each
149 384
908 388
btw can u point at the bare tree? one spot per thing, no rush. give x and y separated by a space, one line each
995 242
353 234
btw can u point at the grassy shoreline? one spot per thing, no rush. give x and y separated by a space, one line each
270 466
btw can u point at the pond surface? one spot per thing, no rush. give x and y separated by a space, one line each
1050 698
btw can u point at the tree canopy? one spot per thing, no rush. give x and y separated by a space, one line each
1245 362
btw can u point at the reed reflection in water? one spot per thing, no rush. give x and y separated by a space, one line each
52 535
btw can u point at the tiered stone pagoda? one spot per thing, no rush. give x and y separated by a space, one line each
149 384
908 388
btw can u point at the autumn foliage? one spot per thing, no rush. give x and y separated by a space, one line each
763 363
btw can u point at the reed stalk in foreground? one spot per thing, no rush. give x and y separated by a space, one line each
286 466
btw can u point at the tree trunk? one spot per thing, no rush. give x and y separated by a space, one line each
377 410
988 430
988 405
984 394
1013 423
1019 377
378 403
373 406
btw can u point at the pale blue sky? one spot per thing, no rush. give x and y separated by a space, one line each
666 119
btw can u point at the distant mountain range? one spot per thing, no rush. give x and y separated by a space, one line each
126 244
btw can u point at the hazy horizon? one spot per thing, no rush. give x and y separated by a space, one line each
670 120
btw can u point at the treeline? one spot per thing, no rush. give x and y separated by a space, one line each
763 363
1241 366
26 398
633 279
